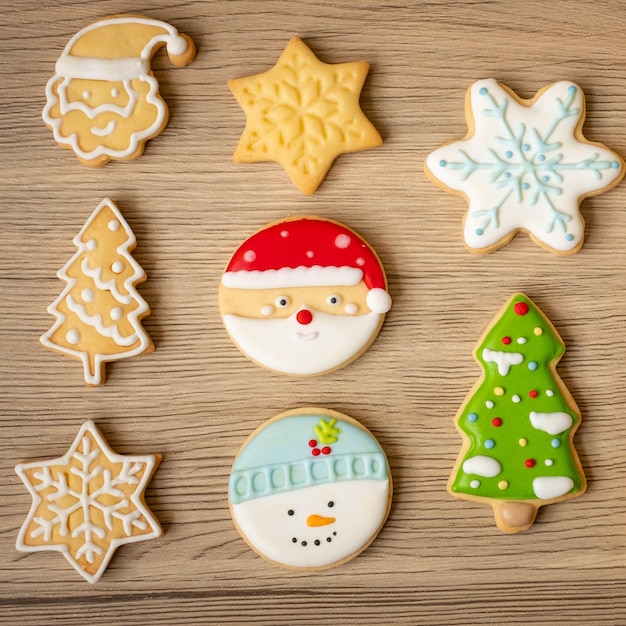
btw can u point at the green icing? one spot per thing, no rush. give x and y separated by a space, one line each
503 441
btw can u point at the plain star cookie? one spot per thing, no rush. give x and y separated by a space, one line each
304 296
518 422
99 313
88 503
524 166
303 114
103 101
310 489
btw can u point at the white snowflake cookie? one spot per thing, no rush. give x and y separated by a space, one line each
87 503
310 489
524 166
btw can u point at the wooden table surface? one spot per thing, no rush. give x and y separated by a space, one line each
438 560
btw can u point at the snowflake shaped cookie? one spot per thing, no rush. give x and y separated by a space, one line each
303 114
87 503
524 166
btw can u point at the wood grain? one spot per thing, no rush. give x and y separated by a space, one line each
438 560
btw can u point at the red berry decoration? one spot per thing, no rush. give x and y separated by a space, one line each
496 421
521 308
312 443
315 452
533 394
530 463
325 450
506 340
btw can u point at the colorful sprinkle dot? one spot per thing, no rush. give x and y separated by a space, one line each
549 462
523 442
489 404
503 484
325 450
549 392
499 391
538 331
555 443
516 398
475 484
530 463
521 340
316 452
496 421
533 393
533 365
489 444
312 443
472 417
520 308
506 340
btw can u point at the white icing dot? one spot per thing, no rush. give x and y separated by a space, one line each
549 392
87 295
284 234
351 308
113 225
489 404
115 92
516 398
73 337
91 244
268 309
549 462
342 241
310 254
116 313
522 340
86 94
360 261
249 256
117 267
475 484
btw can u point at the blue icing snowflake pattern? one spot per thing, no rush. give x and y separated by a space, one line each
525 167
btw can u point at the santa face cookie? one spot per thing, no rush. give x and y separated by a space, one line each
310 489
518 422
103 101
524 166
304 296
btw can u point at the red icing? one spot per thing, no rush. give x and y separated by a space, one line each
304 317
325 450
496 421
521 308
506 340
533 394
308 242
530 463
312 443
315 452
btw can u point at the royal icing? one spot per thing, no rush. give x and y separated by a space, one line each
525 166
310 489
99 313
87 503
304 296
518 423
103 100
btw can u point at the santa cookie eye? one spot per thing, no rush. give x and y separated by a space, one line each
282 301
333 300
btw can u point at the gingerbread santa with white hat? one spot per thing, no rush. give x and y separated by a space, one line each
304 296
103 101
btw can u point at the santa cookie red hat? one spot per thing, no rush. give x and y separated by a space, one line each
308 252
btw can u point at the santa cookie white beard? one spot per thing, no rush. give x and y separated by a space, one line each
304 296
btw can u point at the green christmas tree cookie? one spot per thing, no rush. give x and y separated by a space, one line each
518 421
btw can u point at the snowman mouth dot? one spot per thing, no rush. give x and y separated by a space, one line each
317 542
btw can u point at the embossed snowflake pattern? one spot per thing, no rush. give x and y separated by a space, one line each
87 503
526 166
303 114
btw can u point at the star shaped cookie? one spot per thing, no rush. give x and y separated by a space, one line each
303 114
87 503
524 166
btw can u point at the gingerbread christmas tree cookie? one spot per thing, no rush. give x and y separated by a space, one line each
518 422
524 166
99 313
88 503
303 114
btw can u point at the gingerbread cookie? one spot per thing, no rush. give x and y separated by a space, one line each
87 503
518 422
99 313
524 166
310 489
303 114
304 296
103 101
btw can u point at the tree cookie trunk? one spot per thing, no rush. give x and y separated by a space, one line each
514 517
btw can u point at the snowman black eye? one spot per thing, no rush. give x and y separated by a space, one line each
331 504
333 300
282 301
290 512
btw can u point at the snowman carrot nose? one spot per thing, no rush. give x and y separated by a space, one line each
304 317
318 520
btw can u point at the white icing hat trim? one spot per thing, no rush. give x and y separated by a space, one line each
378 300
315 276
102 69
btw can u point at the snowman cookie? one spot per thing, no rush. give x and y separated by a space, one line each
524 166
304 296
103 101
310 489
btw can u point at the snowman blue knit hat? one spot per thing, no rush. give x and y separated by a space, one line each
303 450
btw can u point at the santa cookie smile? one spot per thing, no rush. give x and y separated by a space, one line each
304 296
